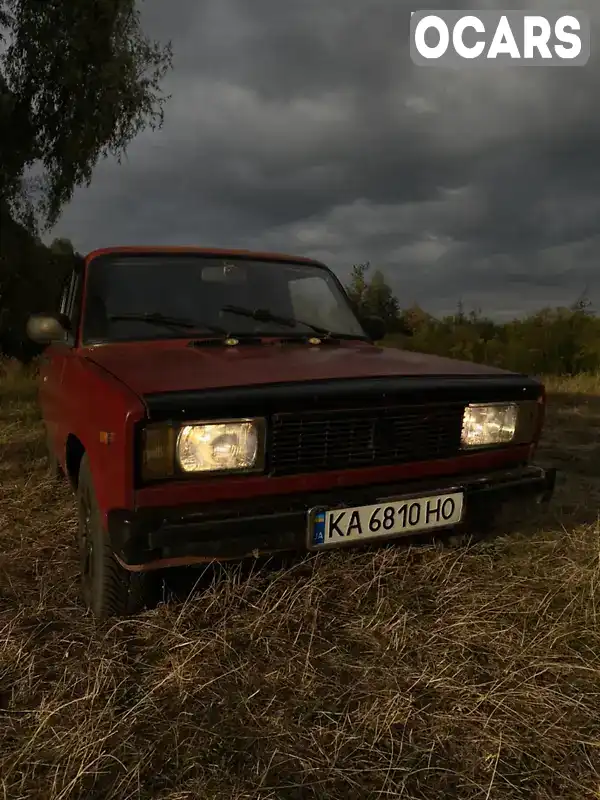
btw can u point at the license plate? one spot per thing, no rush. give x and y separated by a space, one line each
335 527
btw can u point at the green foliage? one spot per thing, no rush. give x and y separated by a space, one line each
554 341
78 81
373 297
31 280
357 287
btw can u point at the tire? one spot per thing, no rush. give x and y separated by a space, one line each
107 589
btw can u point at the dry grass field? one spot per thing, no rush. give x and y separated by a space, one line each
407 673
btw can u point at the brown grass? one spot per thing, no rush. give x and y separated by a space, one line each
405 673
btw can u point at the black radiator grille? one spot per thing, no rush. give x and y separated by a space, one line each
318 441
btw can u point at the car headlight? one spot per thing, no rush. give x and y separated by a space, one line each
211 447
485 425
202 447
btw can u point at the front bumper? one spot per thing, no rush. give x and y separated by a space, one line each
155 538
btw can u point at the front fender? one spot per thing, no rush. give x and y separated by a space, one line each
101 412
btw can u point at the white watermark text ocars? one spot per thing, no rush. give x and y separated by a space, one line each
460 38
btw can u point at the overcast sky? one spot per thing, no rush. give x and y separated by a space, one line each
303 126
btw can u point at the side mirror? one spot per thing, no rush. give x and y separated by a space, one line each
374 327
47 328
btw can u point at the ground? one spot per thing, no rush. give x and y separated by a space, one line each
405 673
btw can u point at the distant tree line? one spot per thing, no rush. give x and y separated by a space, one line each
553 341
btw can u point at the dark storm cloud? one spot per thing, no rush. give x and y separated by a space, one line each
305 127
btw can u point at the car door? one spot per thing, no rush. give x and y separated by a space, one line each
54 361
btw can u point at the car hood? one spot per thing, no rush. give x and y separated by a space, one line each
176 366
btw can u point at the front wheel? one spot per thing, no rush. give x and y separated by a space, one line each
107 589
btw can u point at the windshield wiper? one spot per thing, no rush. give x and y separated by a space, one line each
164 320
264 315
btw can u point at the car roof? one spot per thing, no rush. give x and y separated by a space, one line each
205 251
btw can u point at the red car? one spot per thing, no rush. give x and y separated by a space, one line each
209 405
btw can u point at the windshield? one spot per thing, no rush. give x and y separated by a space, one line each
145 297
